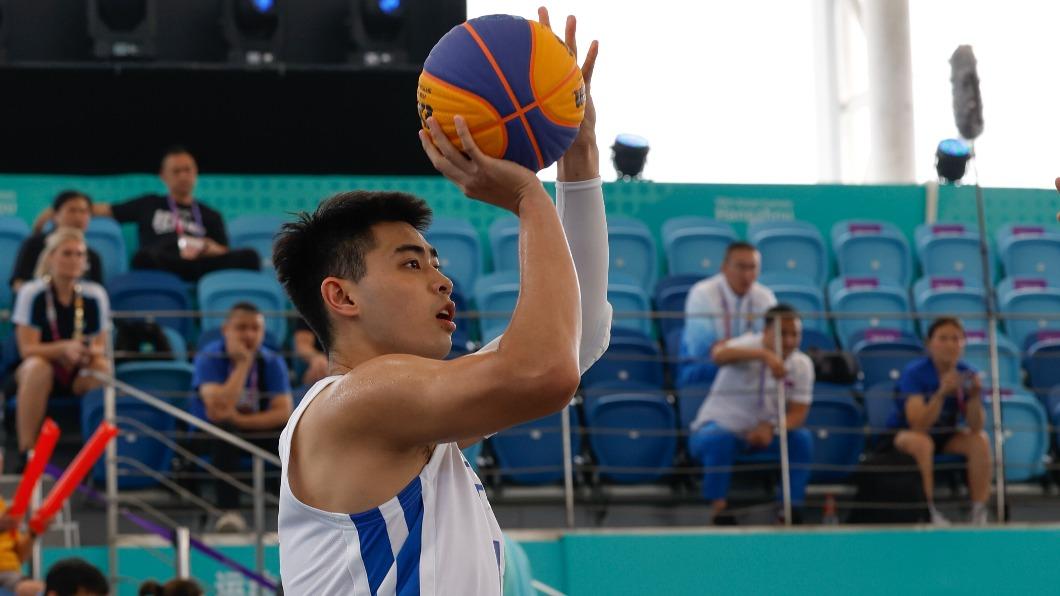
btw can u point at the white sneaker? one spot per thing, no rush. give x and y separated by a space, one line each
937 519
980 516
230 522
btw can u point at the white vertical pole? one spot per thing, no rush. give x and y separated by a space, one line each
782 415
891 159
568 467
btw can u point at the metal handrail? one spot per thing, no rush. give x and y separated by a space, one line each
190 456
185 417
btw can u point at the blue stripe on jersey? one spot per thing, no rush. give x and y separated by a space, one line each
376 552
408 559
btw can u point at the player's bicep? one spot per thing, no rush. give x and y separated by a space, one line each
413 401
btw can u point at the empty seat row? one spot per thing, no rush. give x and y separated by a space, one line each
634 436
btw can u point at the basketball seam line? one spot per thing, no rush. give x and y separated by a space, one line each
539 100
511 94
498 119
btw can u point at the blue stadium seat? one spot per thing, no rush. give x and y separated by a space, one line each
670 295
219 290
950 296
495 297
13 231
837 424
504 243
152 291
631 357
792 247
1034 301
257 232
1043 367
104 236
1030 251
140 422
951 250
882 356
696 245
977 354
798 291
627 299
884 304
532 452
814 339
169 380
632 251
632 436
1026 427
689 399
872 249
459 251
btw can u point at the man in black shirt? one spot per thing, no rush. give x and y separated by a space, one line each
70 208
176 232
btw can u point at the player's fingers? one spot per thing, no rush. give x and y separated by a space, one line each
542 16
439 161
445 146
590 61
467 140
569 34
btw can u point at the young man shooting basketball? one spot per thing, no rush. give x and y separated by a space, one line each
376 497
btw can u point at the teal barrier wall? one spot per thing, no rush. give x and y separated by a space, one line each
841 562
1003 205
652 203
775 563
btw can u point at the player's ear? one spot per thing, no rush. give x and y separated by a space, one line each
338 297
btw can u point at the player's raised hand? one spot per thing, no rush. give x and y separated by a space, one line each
495 181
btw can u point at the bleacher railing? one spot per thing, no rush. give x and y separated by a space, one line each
584 478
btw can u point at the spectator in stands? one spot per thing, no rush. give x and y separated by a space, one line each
721 307
740 415
174 587
61 322
936 394
15 549
70 209
244 388
177 233
307 348
75 577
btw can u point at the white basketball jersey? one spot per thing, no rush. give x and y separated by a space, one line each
438 536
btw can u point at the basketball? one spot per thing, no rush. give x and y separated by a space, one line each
516 84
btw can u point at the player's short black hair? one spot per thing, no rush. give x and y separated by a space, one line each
333 242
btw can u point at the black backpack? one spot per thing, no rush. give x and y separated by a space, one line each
836 367
139 341
889 490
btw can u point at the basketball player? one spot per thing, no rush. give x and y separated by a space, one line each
376 497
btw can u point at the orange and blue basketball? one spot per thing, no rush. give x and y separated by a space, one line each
516 84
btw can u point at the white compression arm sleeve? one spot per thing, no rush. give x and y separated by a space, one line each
581 211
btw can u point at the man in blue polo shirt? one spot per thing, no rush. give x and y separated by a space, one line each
939 409
244 388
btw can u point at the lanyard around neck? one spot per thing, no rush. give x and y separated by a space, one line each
178 224
53 316
726 319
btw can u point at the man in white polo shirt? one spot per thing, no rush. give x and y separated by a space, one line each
740 415
721 307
